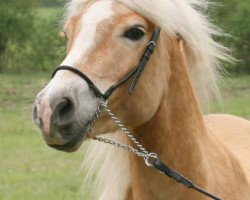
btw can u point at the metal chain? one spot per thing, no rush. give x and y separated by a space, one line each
119 145
123 128
142 152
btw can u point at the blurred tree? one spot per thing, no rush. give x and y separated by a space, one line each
28 42
15 23
49 3
234 17
47 45
29 36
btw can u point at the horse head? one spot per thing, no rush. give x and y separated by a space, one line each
106 40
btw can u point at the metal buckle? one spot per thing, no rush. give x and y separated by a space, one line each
151 42
150 159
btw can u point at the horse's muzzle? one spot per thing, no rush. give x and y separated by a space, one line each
64 114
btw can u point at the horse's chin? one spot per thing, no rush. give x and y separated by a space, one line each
73 143
70 146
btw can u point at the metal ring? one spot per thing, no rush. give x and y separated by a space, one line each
103 103
151 42
149 160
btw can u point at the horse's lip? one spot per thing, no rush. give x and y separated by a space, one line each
76 141
72 145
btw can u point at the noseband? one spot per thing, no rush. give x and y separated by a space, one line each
151 159
135 73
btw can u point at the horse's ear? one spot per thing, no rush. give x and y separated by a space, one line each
182 50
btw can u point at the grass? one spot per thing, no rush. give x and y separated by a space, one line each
48 12
29 170
236 97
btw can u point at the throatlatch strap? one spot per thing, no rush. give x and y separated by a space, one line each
158 164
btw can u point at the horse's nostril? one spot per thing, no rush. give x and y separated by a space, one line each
64 111
65 107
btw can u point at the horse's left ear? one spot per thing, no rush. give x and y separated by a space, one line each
181 44
182 50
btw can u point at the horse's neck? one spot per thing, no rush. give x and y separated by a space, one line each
177 134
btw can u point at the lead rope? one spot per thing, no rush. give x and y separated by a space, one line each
150 159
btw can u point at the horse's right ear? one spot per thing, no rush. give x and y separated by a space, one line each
181 47
180 42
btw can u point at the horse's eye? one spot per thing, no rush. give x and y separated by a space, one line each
134 34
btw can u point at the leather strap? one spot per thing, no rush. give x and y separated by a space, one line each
144 60
158 164
82 75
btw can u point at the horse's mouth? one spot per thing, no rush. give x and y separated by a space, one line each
74 143
71 145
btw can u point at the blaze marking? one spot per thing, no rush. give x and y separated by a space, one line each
97 12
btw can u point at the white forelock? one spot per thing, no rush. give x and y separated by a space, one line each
86 38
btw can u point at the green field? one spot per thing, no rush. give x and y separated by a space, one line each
29 170
235 97
48 13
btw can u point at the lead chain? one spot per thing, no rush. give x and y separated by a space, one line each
119 145
141 153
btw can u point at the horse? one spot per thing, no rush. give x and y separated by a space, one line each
106 39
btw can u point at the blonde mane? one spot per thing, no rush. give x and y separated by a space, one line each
108 167
188 20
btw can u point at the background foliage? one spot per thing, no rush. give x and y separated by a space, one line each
234 17
29 36
30 41
51 3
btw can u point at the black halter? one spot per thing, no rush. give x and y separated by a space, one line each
136 72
